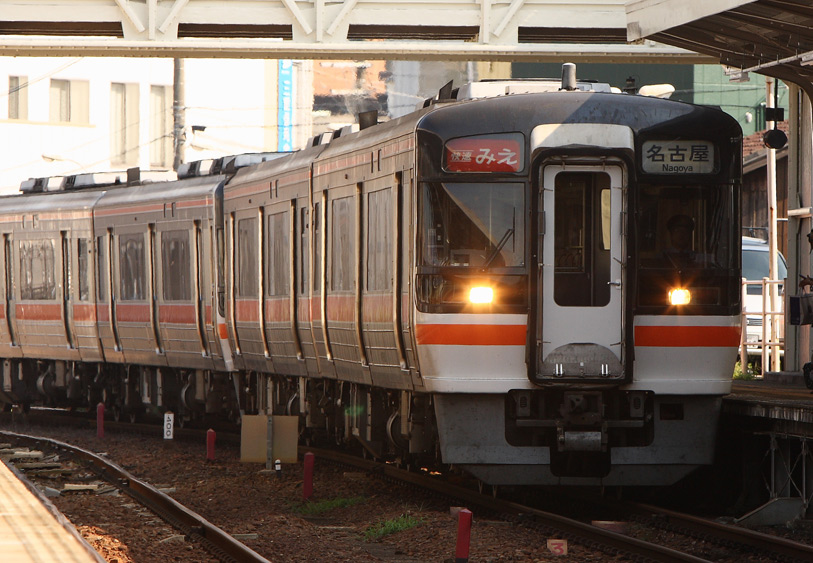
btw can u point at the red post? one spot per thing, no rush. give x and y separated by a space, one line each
210 445
100 420
463 536
307 485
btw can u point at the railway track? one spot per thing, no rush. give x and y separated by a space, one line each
217 542
653 533
736 540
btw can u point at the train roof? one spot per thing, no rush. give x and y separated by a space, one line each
515 112
170 191
49 201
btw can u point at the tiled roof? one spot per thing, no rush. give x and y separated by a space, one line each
753 143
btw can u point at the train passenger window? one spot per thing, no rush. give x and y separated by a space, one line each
83 256
379 240
37 269
342 257
278 265
247 258
473 225
101 261
176 266
581 239
132 267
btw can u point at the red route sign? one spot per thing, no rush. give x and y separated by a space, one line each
483 154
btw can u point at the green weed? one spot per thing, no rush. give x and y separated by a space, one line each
311 508
747 375
403 522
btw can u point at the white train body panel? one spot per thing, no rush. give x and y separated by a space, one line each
472 353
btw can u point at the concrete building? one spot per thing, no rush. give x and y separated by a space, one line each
61 116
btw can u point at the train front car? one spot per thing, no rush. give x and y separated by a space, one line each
577 284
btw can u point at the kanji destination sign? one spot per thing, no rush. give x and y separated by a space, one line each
678 157
485 153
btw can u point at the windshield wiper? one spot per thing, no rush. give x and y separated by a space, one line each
503 241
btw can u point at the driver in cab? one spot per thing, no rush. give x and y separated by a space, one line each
680 252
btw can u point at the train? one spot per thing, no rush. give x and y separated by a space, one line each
488 282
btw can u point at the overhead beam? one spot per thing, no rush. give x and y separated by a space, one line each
490 30
420 51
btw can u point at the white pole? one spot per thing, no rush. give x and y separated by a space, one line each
773 265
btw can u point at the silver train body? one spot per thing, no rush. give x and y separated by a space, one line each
484 282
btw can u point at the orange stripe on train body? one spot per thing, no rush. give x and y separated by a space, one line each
688 336
471 334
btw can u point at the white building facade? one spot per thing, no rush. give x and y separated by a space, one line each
62 116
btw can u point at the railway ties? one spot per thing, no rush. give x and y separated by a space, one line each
525 523
697 539
98 475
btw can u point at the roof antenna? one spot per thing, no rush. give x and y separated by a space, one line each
568 77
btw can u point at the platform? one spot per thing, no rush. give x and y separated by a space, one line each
767 426
780 398
32 530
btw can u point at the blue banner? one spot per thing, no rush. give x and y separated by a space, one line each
285 106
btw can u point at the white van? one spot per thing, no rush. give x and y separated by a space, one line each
755 267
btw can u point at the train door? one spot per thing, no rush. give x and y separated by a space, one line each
66 282
8 331
579 300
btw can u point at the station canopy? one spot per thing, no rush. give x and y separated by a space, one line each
771 37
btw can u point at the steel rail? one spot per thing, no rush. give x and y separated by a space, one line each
225 546
775 545
591 535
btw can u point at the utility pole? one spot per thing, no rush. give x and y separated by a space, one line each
178 113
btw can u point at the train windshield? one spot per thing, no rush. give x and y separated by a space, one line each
687 227
688 234
473 225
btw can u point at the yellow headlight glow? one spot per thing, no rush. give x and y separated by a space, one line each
680 296
481 294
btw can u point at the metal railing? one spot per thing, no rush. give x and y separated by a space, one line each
771 342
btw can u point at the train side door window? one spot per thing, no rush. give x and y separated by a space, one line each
37 266
304 249
176 265
132 267
83 255
101 268
317 245
247 257
582 239
379 240
342 273
278 274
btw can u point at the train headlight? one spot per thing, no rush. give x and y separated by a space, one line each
680 296
481 294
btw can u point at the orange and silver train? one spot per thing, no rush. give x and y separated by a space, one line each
536 282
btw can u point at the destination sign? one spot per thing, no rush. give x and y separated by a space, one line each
678 157
485 153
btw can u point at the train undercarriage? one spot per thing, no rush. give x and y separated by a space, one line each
386 424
